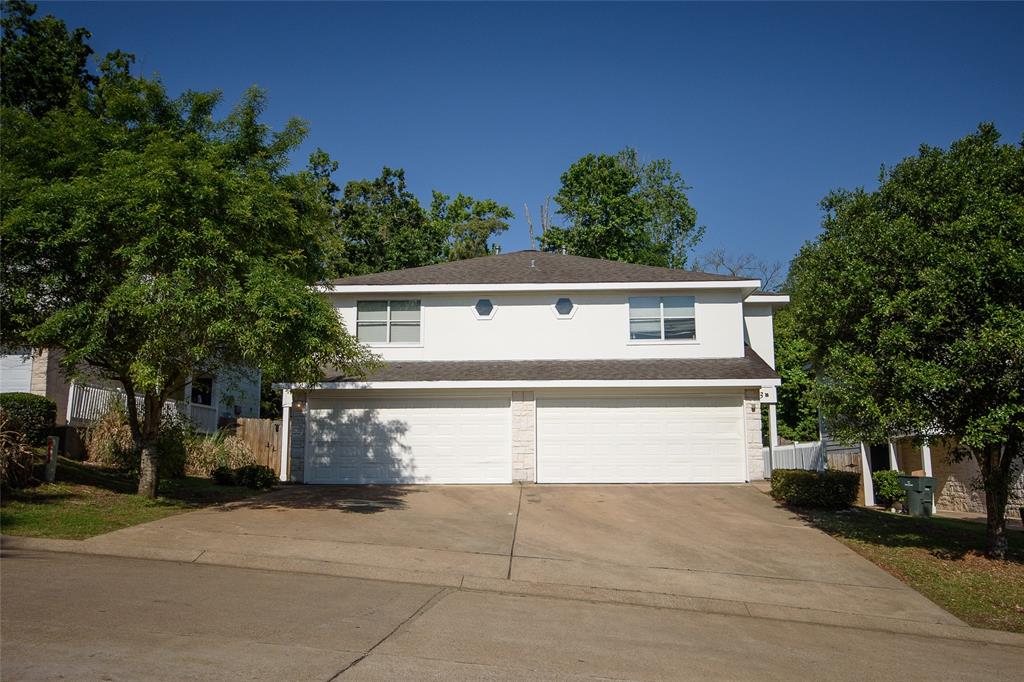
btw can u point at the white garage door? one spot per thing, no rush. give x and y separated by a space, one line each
15 373
649 439
409 440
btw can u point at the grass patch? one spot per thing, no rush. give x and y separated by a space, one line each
943 559
88 500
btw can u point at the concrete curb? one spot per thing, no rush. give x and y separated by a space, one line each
524 588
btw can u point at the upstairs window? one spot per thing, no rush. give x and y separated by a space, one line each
388 321
662 318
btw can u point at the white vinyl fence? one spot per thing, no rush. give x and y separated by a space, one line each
810 456
87 403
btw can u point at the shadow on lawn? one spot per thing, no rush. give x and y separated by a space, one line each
948 539
361 499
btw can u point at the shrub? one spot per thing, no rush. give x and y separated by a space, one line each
887 487
223 476
223 449
29 414
820 489
109 441
255 476
15 458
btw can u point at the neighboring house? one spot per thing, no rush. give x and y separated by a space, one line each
957 484
207 400
539 366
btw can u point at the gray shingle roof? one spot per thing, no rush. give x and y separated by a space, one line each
750 367
533 267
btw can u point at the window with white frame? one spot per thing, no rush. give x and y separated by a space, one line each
388 321
662 318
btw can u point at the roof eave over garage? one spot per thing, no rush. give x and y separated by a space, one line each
746 287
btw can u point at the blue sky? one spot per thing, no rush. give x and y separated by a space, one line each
763 108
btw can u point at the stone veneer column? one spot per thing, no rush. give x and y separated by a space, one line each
752 434
524 437
296 445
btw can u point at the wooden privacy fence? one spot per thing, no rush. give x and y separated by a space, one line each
263 438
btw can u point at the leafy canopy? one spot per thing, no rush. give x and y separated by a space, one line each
619 208
912 301
42 64
151 240
382 226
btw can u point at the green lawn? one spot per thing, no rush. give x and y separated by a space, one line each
88 500
943 559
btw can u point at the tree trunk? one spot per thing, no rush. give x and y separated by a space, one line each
995 464
149 457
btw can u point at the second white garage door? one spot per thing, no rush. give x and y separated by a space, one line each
640 439
409 440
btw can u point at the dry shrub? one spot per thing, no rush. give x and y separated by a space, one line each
206 453
15 458
108 440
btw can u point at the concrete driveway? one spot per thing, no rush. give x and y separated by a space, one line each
727 549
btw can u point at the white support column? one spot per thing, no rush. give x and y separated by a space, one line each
926 459
893 463
286 408
773 426
865 469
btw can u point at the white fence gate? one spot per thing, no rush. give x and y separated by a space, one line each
809 456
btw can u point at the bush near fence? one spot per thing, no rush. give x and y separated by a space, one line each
815 489
32 415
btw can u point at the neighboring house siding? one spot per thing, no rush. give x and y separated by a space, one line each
524 327
16 372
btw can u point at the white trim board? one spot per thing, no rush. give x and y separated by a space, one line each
539 384
750 285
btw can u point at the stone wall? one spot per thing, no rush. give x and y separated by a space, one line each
524 436
296 446
752 434
958 485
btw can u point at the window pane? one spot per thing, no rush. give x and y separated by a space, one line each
405 332
644 306
645 329
371 332
563 306
680 328
405 311
678 306
371 310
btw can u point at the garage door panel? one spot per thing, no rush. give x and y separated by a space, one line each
409 440
629 439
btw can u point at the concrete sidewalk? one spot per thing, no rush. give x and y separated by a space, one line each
711 549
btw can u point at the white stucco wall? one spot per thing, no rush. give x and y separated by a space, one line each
758 328
524 327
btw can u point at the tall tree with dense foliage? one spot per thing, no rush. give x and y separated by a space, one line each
619 208
913 304
797 408
151 241
382 225
470 224
42 64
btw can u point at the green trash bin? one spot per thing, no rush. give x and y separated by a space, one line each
920 491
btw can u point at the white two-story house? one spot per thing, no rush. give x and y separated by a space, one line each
541 367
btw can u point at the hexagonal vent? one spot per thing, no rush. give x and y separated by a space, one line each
484 307
564 306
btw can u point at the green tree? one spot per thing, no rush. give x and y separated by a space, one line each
42 64
620 208
151 241
469 223
797 409
383 227
912 302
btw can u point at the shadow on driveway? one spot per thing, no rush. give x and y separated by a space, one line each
362 499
